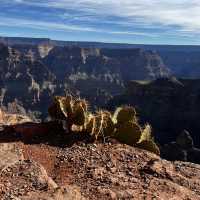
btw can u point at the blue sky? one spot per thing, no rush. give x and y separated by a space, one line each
122 21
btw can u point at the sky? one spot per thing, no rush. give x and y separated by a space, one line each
120 21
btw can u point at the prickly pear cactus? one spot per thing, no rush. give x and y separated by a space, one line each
108 124
125 114
100 125
55 110
83 103
79 115
146 134
147 142
90 125
149 145
66 105
98 129
123 125
128 133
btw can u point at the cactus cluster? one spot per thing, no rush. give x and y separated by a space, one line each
69 109
122 125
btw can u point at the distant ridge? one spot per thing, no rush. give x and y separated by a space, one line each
23 40
84 44
182 60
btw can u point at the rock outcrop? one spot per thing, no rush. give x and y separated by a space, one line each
169 105
12 119
27 179
183 149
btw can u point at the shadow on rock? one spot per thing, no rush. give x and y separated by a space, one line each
51 133
182 149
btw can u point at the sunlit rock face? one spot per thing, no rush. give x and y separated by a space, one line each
23 76
33 72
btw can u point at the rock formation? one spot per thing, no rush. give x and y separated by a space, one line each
183 149
169 105
12 119
32 73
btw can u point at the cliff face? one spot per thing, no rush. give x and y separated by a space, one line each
23 77
182 60
33 73
169 105
127 63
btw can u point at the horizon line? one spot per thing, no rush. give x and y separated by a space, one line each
99 42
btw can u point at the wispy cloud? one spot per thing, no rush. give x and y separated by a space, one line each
11 22
145 18
183 13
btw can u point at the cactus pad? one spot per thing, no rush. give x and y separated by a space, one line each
149 145
79 115
108 125
65 104
83 103
129 133
90 126
125 114
146 134
55 111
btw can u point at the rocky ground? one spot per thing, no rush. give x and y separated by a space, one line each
92 171
49 167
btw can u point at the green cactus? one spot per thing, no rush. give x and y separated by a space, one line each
123 125
146 134
125 114
55 111
83 103
149 145
128 133
108 124
79 115
66 106
100 125
90 125
147 142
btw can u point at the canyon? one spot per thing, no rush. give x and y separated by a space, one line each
32 71
41 160
32 74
